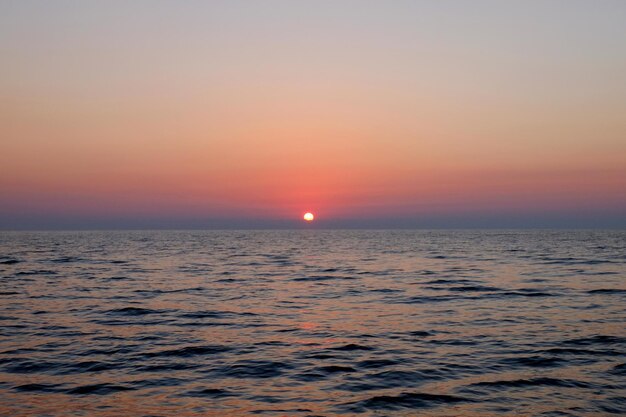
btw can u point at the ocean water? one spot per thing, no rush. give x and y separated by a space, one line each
313 323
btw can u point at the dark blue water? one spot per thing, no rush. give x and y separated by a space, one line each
313 323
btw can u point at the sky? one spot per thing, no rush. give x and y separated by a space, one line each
370 114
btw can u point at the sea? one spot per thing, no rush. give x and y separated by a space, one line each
313 323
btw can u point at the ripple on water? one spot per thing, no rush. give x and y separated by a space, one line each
99 389
412 400
313 323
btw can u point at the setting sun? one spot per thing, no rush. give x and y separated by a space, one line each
308 217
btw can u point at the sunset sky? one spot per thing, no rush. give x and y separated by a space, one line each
231 113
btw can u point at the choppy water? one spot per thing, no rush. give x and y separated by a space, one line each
313 323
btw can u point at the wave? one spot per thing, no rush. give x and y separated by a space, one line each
351 347
608 291
133 311
406 400
99 389
190 351
533 382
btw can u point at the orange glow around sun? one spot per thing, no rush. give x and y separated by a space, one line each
308 217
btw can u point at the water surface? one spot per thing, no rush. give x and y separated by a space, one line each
313 323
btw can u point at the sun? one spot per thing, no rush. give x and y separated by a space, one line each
308 217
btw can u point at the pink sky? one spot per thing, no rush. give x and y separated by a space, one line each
220 110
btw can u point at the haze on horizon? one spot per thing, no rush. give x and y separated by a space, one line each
229 113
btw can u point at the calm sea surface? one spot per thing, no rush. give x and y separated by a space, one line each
313 323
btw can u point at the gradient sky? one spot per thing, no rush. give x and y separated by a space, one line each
368 113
